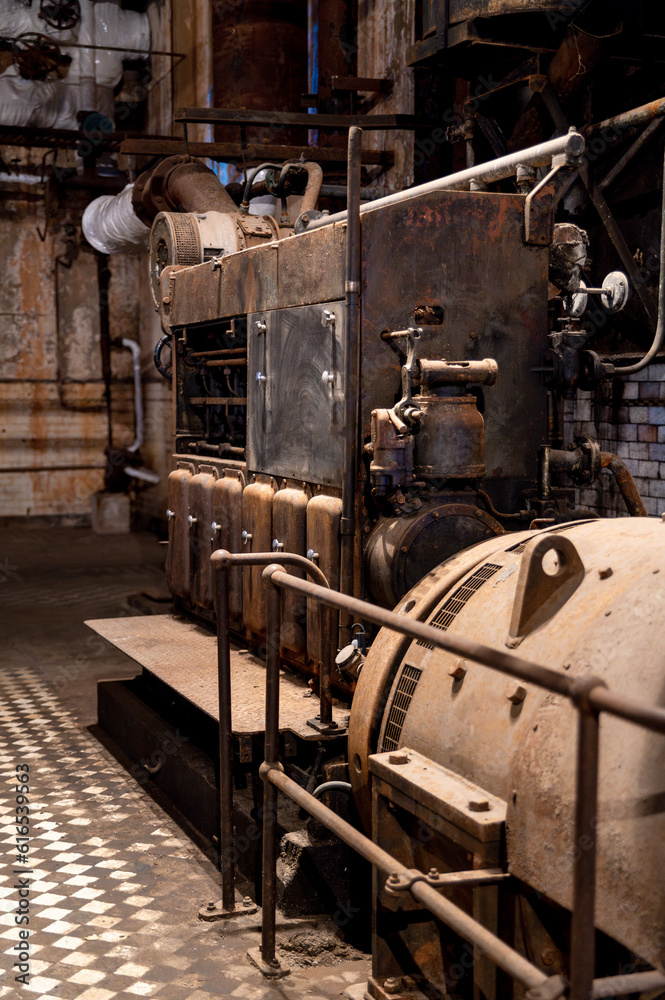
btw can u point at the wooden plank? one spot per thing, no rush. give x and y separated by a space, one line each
230 116
234 152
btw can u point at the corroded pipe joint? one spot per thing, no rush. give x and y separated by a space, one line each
266 767
625 482
221 559
180 183
580 689
313 189
269 572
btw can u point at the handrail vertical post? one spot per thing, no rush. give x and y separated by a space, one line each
269 877
583 925
227 863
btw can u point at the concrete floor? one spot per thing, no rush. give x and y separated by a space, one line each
114 885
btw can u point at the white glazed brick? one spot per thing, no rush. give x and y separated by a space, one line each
638 449
657 488
649 470
628 432
653 506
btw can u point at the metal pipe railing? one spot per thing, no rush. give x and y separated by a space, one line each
222 561
589 695
484 173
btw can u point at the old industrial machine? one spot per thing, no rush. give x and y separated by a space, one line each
377 392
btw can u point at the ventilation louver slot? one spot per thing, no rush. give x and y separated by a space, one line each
517 548
400 706
452 607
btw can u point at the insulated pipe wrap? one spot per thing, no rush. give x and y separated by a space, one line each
110 224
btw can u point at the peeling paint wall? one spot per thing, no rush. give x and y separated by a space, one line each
53 419
385 31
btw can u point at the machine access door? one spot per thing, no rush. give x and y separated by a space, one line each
295 393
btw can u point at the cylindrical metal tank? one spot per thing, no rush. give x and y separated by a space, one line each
260 62
518 741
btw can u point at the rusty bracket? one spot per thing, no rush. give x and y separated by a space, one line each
540 594
398 884
541 202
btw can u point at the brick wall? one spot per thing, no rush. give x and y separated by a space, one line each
635 431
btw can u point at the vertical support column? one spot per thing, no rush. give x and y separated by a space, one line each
351 376
225 737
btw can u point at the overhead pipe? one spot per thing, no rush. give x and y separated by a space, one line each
659 335
571 144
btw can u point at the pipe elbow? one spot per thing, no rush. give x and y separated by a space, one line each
313 189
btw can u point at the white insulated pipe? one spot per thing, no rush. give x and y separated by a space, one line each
571 144
111 225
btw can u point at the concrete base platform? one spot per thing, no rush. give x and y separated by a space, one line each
183 655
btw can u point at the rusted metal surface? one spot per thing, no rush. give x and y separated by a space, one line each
453 916
281 118
450 823
178 553
620 244
250 40
257 500
628 121
581 689
200 493
221 566
402 550
253 153
226 530
625 482
323 518
541 155
278 276
163 643
519 747
388 31
180 184
428 267
289 524
450 443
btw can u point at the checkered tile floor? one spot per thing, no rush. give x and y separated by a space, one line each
115 887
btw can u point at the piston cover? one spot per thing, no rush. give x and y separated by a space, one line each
402 550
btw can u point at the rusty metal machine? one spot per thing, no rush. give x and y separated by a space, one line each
374 394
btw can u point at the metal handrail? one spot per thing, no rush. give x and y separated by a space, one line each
589 695
222 561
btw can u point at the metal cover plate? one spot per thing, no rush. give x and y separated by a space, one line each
295 418
183 655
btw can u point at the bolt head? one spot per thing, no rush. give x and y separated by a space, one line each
479 805
398 758
210 906
391 985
